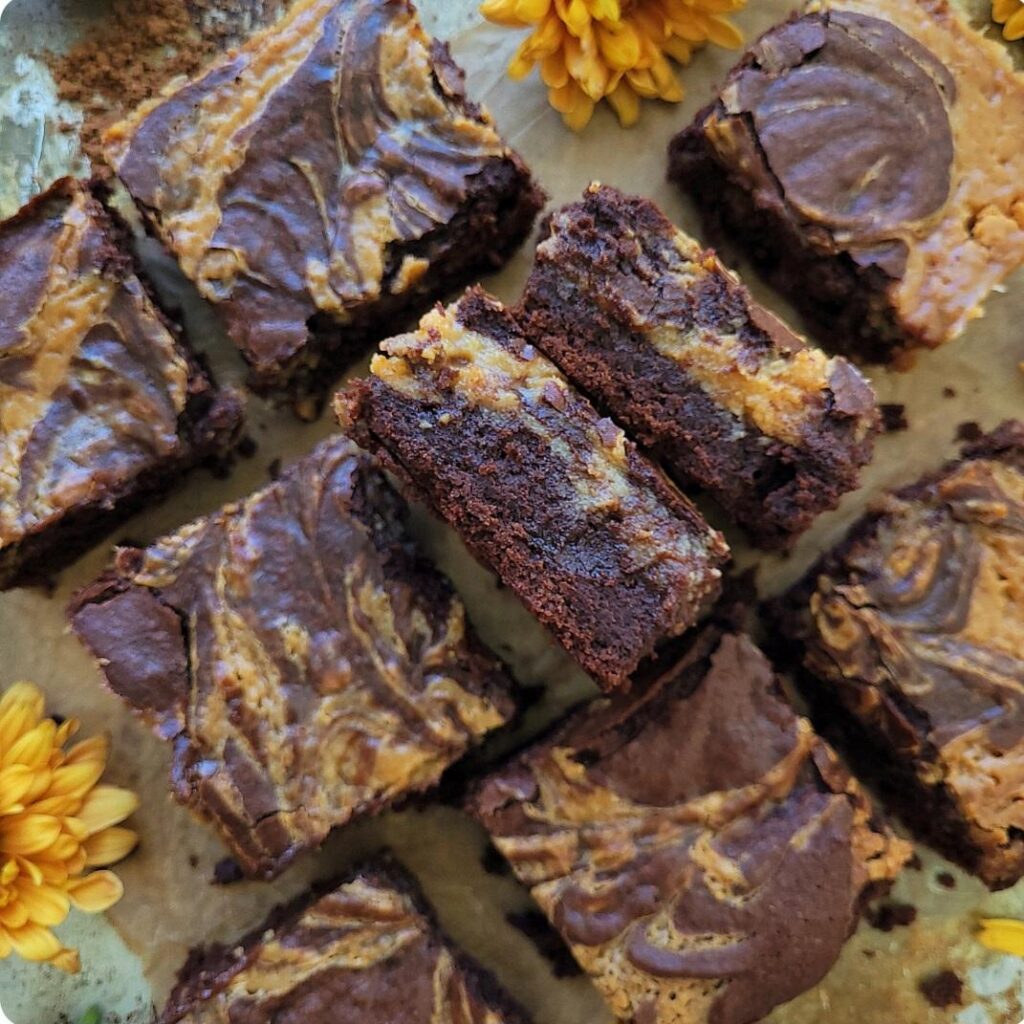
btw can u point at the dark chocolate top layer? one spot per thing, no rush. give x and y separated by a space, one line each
305 664
867 160
918 618
367 952
701 850
297 176
593 539
95 390
659 333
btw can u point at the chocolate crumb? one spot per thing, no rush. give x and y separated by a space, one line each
915 863
274 469
969 432
887 916
193 860
227 872
247 447
946 880
943 989
949 392
534 925
894 417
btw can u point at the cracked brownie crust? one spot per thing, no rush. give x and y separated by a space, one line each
889 212
666 340
305 664
585 531
323 182
101 405
703 853
912 640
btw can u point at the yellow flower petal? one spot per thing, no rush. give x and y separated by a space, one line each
45 905
106 806
67 960
1002 935
502 12
76 779
619 45
553 71
109 846
28 833
14 915
626 104
1014 27
34 942
95 892
15 782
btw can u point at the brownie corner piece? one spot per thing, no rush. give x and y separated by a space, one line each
304 661
700 849
103 405
369 944
658 333
875 231
911 635
324 182
592 538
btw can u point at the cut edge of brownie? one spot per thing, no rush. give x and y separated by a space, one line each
208 969
209 426
931 810
477 311
773 488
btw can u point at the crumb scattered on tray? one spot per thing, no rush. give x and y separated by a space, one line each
887 916
894 417
969 431
949 392
946 880
227 871
943 989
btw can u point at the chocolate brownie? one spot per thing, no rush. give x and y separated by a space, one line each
912 639
576 522
101 404
324 181
868 156
365 951
702 851
660 335
304 662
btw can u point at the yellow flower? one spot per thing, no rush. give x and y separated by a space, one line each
1009 14
55 823
615 50
1002 935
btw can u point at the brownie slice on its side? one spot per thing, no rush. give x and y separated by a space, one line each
102 406
912 638
364 951
306 664
324 182
868 156
659 334
579 525
700 849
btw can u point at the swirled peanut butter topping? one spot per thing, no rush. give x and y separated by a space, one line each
662 833
749 363
891 133
92 383
365 951
447 362
285 175
323 673
929 611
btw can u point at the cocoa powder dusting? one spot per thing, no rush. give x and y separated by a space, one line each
135 49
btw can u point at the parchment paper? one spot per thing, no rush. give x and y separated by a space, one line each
170 905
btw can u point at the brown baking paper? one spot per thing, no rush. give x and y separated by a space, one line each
170 903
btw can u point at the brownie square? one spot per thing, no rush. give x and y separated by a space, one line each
544 491
101 404
911 634
365 951
665 339
699 848
868 156
324 181
305 663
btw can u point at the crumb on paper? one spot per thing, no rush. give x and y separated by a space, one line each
943 989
